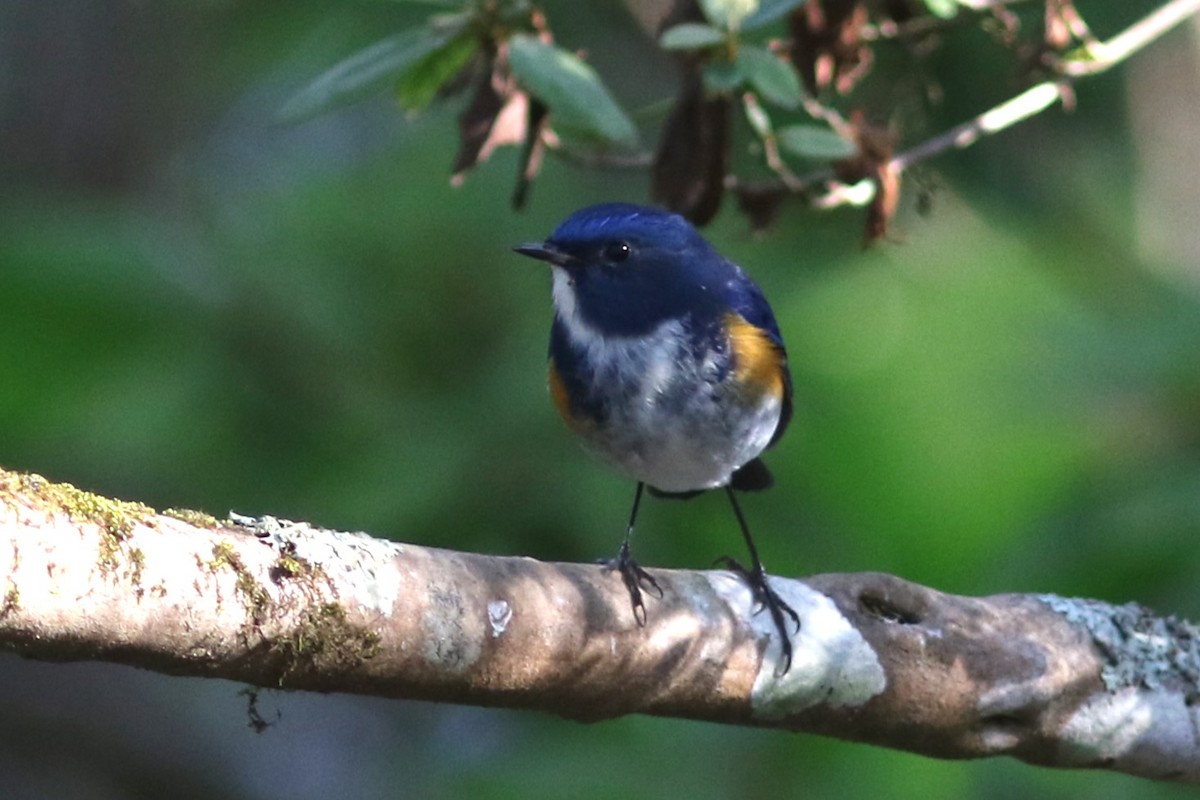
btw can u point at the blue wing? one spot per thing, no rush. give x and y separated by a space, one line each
744 297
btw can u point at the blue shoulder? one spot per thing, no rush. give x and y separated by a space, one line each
744 297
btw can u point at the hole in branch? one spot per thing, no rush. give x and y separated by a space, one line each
887 610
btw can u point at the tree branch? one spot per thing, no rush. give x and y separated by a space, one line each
1049 680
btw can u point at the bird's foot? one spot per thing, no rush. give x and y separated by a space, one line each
768 598
636 580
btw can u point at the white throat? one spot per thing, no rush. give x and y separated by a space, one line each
567 305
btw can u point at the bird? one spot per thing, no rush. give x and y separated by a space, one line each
666 360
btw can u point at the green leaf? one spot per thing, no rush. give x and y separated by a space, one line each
815 142
768 12
420 84
691 36
942 8
367 72
728 14
774 78
570 88
723 76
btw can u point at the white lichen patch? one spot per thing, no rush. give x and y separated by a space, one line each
361 565
1145 732
831 662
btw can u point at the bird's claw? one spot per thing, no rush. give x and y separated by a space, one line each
636 581
766 597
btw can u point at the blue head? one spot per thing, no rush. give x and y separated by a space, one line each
624 269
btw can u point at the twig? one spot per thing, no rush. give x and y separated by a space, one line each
603 159
1029 102
1101 56
1025 105
1090 60
924 25
766 133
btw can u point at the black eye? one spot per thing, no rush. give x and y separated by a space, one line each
617 251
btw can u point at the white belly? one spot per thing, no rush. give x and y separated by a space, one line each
671 421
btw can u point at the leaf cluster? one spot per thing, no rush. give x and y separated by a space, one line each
794 69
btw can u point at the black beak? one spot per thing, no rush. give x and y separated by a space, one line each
544 251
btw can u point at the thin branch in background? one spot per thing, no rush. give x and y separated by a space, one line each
1025 105
602 159
770 142
1102 56
831 116
918 27
1088 60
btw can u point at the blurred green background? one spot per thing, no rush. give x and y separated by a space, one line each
201 308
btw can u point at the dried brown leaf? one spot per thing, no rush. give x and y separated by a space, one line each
1058 31
760 203
533 149
883 205
476 121
876 144
693 151
827 44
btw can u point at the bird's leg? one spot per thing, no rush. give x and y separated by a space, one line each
764 595
633 576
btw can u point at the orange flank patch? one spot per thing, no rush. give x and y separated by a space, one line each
757 361
558 394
